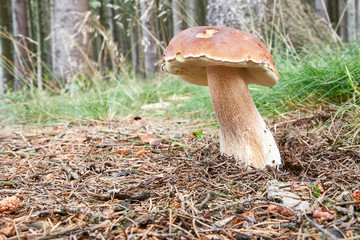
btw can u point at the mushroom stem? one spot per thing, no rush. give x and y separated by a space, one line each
243 132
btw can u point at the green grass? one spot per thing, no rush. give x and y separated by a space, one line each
107 101
324 77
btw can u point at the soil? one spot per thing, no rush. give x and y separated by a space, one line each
165 179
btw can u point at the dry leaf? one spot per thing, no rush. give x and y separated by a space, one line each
48 177
146 137
81 217
294 186
176 205
142 152
8 229
282 211
108 212
356 197
320 187
251 215
154 142
9 204
324 214
122 151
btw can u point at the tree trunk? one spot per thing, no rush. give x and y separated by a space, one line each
192 13
71 46
246 15
342 20
351 21
202 13
39 44
140 47
295 21
112 28
321 10
45 31
111 15
176 6
5 46
148 34
20 32
134 52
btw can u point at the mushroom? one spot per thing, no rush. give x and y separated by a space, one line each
226 60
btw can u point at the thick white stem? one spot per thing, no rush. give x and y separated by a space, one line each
243 132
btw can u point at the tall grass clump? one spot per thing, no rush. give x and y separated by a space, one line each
331 76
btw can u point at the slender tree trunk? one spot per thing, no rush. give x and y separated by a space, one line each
321 10
176 6
148 34
134 52
192 13
342 20
111 15
332 7
121 26
202 13
45 20
140 47
163 22
112 27
71 45
39 44
351 21
20 32
5 45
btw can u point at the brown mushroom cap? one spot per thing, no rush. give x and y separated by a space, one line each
191 50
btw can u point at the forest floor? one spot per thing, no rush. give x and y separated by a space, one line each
164 179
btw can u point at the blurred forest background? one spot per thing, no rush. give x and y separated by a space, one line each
45 43
51 47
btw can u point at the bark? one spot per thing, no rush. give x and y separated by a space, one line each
294 20
71 46
112 27
148 40
192 13
111 15
20 32
342 20
164 21
321 9
45 20
139 45
5 45
202 13
299 21
134 52
351 21
176 6
246 15
39 44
